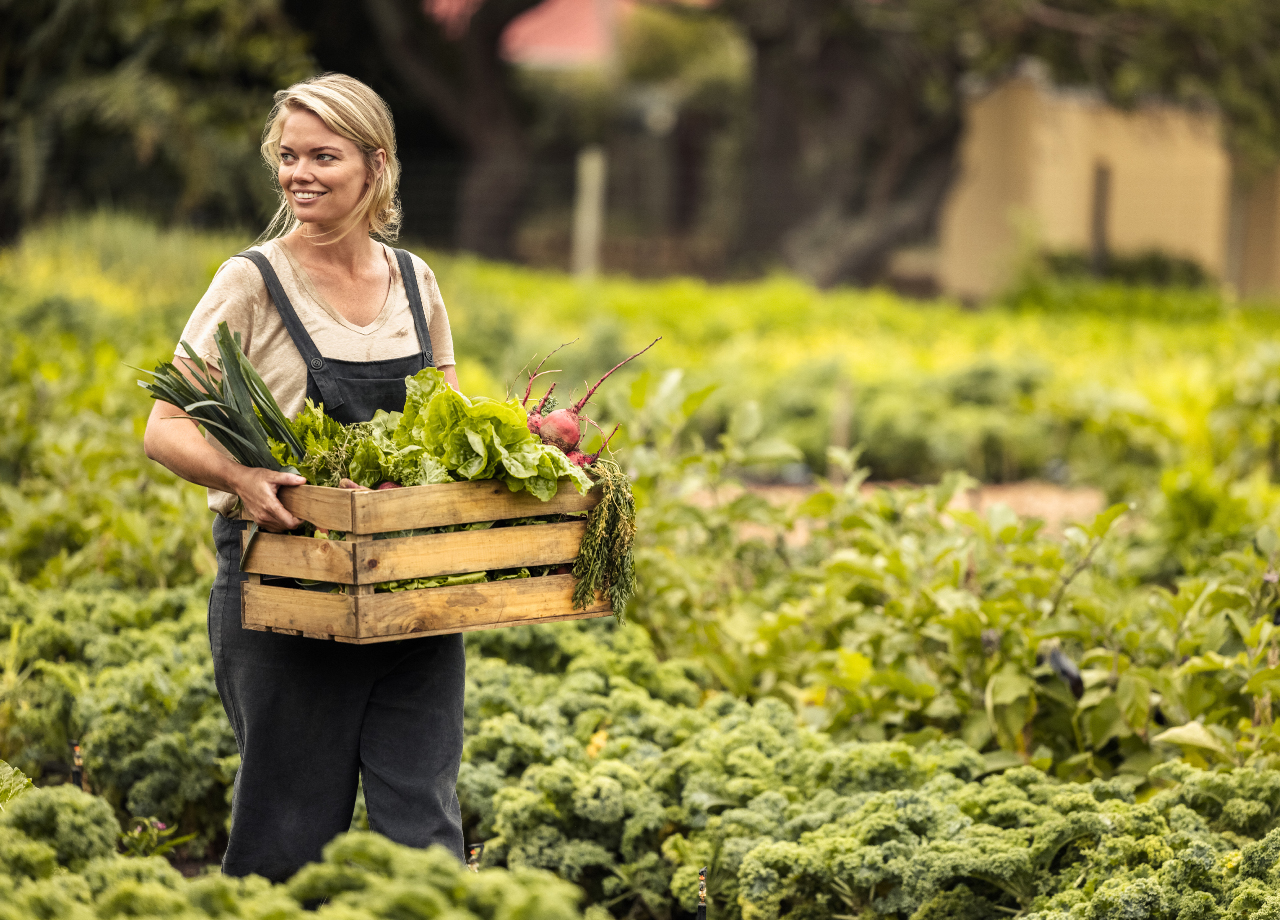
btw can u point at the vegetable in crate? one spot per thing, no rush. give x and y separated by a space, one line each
234 405
562 428
442 436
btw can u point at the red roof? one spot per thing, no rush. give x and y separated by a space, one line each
562 33
555 33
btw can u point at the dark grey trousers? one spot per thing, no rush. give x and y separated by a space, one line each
312 717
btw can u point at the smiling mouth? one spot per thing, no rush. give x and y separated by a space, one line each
307 196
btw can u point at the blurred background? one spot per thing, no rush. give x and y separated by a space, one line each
926 145
1036 242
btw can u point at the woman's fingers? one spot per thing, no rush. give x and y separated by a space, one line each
262 503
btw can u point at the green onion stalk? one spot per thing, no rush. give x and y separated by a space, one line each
232 403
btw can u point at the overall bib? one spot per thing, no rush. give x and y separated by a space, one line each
313 717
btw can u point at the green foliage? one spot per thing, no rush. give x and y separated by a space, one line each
13 783
362 877
930 647
151 837
442 436
78 826
155 104
130 676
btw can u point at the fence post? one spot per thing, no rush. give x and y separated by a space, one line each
588 212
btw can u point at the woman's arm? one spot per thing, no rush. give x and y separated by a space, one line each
176 444
450 376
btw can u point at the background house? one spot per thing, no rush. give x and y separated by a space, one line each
1062 172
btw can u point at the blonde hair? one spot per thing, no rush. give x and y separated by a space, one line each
354 111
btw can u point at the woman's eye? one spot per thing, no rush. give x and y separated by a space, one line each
325 156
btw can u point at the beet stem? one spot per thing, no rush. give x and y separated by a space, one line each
536 371
592 458
585 399
543 401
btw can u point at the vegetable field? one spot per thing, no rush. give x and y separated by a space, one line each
864 704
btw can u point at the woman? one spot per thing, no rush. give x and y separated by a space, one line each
324 312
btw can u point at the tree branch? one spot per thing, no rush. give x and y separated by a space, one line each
493 16
404 48
1063 20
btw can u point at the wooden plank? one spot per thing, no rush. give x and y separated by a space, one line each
458 503
467 551
303 611
576 615
300 557
327 508
253 580
467 607
357 540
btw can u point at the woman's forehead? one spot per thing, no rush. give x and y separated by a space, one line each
303 130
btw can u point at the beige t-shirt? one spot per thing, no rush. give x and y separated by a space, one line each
238 296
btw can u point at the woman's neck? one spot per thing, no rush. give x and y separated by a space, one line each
345 255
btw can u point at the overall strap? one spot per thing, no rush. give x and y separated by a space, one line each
318 368
410 278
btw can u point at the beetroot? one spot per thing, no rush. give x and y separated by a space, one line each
560 429
389 485
563 427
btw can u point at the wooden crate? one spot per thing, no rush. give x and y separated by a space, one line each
358 563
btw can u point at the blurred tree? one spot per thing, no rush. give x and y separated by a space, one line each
856 104
440 59
151 104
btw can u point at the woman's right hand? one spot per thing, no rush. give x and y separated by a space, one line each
259 500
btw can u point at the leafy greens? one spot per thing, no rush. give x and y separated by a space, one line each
441 436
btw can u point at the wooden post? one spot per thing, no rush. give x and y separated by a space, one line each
1099 245
588 213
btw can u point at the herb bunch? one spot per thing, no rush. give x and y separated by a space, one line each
605 562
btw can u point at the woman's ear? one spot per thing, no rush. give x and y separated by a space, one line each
379 161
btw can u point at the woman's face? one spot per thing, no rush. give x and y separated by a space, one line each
322 173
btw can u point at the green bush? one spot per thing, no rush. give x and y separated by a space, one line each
78 826
362 877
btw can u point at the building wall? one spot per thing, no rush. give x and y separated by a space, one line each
978 232
1258 239
1028 167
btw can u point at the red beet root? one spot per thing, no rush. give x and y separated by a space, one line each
563 427
390 485
560 429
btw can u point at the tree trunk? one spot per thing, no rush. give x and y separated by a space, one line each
462 80
771 195
493 191
849 157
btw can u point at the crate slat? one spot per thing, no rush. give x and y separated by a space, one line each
467 551
589 614
468 607
301 557
367 619
304 611
327 508
458 503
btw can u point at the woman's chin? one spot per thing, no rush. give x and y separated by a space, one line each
314 224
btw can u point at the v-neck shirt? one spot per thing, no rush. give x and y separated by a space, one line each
238 296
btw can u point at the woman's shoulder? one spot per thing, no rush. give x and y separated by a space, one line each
238 281
240 272
420 266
